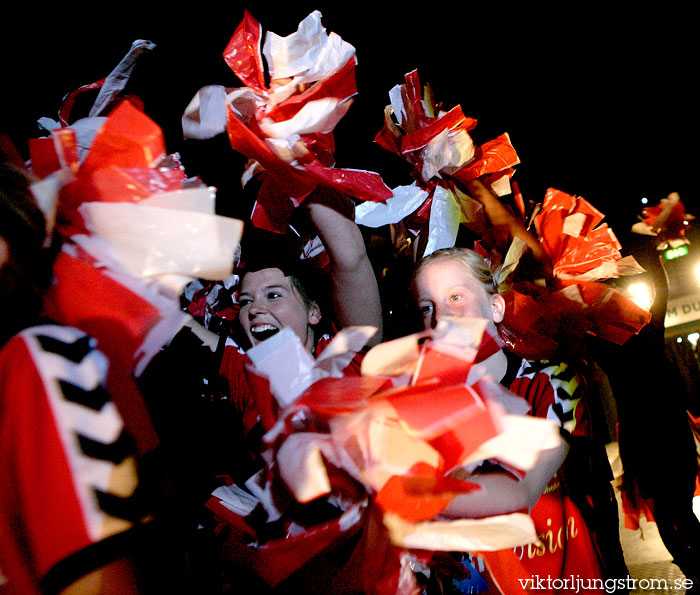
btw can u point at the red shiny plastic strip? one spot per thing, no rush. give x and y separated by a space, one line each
452 120
340 85
493 156
242 54
64 113
129 138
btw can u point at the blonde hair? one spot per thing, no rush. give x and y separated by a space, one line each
473 262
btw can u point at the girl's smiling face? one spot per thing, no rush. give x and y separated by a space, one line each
269 302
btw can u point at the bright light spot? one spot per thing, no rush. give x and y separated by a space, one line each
641 295
645 201
679 340
693 338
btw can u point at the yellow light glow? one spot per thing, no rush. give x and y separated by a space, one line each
641 294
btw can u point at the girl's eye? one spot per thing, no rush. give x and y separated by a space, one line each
243 302
455 298
273 295
426 309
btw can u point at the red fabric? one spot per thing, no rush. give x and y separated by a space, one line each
538 320
566 547
33 460
249 403
339 85
64 113
47 505
119 319
542 385
451 418
128 138
491 157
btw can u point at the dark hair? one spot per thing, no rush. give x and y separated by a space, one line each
267 250
26 275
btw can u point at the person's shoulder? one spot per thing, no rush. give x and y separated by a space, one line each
557 372
64 342
551 366
57 332
51 339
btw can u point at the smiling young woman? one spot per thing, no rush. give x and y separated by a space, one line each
269 301
277 290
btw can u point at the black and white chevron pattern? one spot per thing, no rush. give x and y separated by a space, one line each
100 452
567 389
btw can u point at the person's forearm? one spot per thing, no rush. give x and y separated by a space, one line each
502 493
355 289
500 217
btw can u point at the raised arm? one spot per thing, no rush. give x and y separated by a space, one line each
355 289
503 219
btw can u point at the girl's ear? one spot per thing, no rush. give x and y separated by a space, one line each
498 307
314 313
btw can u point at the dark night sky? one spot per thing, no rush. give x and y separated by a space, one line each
599 104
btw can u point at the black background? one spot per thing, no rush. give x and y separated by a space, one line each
600 103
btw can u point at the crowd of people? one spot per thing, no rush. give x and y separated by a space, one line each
147 442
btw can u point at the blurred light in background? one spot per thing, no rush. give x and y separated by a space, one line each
641 294
676 252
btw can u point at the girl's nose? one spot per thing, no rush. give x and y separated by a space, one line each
254 309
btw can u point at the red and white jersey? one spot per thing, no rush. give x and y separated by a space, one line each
67 466
554 390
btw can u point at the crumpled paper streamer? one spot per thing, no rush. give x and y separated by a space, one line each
404 201
386 442
668 221
135 225
150 241
285 128
291 369
83 129
110 87
584 253
439 147
570 229
462 535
